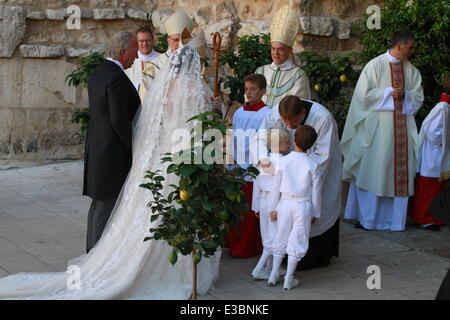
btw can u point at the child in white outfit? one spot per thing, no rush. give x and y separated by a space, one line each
298 208
265 197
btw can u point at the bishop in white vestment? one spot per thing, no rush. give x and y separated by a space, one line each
179 28
283 77
380 140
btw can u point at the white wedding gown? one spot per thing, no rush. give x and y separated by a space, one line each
122 265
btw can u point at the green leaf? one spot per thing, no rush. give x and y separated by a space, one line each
187 170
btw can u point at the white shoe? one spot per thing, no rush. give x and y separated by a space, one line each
288 285
273 281
260 274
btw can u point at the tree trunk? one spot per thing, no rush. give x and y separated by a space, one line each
194 277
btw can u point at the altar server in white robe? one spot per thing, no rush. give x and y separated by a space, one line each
326 151
434 161
246 121
265 197
380 142
146 54
283 76
179 30
298 208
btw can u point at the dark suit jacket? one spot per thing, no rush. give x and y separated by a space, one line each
113 102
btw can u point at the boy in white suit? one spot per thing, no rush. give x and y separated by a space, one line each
298 208
265 197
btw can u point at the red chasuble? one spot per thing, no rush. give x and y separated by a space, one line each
247 243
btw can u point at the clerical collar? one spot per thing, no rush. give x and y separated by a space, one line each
287 65
254 107
308 108
147 57
445 98
116 62
392 58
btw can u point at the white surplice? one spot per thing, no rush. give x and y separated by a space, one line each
245 126
326 152
135 72
368 145
434 138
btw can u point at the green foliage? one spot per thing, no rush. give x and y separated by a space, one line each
81 117
429 21
252 52
161 44
199 224
326 72
81 77
87 64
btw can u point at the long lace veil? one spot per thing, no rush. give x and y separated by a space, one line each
122 265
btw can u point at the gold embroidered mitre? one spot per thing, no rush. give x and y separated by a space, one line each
178 22
285 26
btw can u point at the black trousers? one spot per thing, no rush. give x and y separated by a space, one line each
444 290
98 216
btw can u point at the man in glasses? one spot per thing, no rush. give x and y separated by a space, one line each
179 28
146 40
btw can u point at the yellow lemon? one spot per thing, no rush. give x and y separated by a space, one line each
184 195
317 87
343 78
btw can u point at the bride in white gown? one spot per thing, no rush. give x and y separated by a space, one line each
122 265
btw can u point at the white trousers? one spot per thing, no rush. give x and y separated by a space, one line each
376 213
293 228
268 228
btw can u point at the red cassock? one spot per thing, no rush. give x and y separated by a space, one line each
424 192
247 243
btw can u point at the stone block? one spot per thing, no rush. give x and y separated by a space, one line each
215 13
138 14
342 28
253 27
226 29
108 3
318 26
36 15
160 17
53 14
12 29
37 51
109 14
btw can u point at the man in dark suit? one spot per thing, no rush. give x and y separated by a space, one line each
113 102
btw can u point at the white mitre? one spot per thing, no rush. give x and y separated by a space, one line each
285 26
178 22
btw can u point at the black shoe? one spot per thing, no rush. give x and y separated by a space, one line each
433 227
358 225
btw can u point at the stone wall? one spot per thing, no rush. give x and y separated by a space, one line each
37 51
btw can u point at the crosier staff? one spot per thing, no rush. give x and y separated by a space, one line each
217 43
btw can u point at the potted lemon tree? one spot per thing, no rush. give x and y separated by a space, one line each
198 213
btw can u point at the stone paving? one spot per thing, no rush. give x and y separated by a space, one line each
43 225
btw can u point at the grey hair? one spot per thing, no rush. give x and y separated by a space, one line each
120 41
